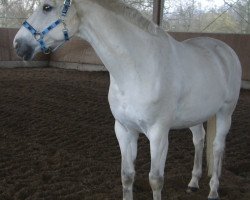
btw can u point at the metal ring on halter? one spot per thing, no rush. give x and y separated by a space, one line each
47 51
38 36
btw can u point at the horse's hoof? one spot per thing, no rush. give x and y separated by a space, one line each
192 189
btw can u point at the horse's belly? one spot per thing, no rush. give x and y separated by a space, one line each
197 109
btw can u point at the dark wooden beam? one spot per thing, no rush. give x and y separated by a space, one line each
158 11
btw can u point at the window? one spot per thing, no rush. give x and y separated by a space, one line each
144 6
14 12
220 16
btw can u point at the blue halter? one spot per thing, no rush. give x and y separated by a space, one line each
39 36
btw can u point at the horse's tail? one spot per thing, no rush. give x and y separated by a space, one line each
211 133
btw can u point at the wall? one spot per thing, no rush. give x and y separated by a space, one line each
78 54
8 57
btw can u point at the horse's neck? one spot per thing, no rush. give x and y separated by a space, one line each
118 43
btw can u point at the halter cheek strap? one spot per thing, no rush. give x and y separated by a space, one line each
39 36
66 6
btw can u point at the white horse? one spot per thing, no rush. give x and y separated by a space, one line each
156 82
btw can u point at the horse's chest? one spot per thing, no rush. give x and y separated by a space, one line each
129 111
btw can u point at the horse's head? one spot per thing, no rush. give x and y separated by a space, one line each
52 23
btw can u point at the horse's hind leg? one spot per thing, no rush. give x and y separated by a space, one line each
198 140
128 144
223 123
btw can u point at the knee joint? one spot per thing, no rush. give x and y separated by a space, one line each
218 147
156 182
127 178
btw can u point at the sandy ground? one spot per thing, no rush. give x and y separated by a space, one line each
57 142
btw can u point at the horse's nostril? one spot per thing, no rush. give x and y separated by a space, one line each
23 49
17 43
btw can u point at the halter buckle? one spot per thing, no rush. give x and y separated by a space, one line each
63 22
67 2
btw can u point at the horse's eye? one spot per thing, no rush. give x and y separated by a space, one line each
47 8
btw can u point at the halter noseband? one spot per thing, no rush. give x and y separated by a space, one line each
39 36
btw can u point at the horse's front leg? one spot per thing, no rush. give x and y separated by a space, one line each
128 144
158 138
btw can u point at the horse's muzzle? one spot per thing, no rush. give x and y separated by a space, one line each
23 49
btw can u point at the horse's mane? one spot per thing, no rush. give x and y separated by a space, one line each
130 13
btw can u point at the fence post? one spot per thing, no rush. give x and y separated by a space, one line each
158 11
